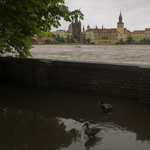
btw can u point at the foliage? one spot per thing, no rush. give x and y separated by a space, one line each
21 129
148 40
144 40
84 40
129 39
53 35
88 40
121 40
20 20
70 39
45 34
60 39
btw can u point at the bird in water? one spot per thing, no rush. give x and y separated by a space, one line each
105 107
91 131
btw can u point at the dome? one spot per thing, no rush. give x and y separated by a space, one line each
70 25
88 26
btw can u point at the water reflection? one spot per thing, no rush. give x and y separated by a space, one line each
21 129
53 120
92 143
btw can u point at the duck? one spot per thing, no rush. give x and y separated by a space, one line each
91 131
106 107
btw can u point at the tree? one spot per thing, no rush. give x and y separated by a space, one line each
121 40
88 40
84 40
45 34
72 39
147 40
68 38
60 39
129 39
20 20
144 40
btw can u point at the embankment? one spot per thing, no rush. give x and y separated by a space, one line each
128 81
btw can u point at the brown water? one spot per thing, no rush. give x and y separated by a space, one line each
124 54
53 120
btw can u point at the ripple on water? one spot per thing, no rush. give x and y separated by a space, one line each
135 54
112 137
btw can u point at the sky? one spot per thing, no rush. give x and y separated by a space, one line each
135 13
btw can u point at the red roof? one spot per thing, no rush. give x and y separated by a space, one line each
147 28
90 29
108 30
139 31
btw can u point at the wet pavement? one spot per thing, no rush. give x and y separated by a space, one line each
50 120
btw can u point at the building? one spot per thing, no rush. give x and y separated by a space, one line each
127 34
120 28
76 30
138 35
89 34
105 36
62 33
147 33
108 36
70 28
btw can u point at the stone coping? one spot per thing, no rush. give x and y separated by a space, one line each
77 64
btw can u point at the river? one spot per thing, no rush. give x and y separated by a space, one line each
53 120
122 54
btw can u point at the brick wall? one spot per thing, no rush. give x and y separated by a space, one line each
129 81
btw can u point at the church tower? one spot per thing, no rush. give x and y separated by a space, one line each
120 27
76 30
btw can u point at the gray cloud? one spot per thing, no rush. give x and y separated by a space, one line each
97 12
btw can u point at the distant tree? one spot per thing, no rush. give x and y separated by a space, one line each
53 35
144 40
84 40
147 40
121 40
72 39
129 39
20 20
68 38
58 37
88 40
62 40
45 34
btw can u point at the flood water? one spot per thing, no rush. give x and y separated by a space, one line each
123 54
53 120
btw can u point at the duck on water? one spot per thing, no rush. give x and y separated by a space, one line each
91 131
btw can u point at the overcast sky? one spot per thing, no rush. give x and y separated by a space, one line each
135 13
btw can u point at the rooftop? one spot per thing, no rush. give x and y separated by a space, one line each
139 31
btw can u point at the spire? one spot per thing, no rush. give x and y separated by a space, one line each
120 18
102 26
83 29
88 27
76 20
